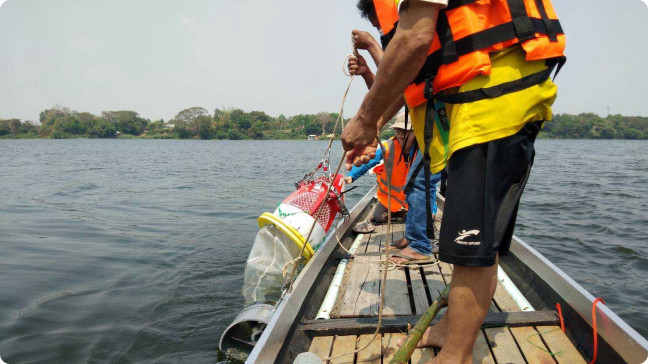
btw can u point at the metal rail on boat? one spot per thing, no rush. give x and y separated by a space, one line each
271 341
628 343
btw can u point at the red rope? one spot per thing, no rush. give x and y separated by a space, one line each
560 315
597 300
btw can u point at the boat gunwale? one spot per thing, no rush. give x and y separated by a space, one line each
621 337
271 342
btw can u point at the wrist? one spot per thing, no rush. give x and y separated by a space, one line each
368 75
365 119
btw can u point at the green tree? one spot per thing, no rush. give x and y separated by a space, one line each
102 128
633 133
181 128
47 117
260 116
256 131
234 134
205 127
68 125
156 127
191 118
4 128
126 122
311 127
28 127
221 134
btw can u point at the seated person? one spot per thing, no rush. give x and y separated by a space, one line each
400 152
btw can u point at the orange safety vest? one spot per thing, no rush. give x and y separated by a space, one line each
467 31
399 168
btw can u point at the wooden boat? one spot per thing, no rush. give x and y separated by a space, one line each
509 335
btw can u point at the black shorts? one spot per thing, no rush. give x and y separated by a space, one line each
485 183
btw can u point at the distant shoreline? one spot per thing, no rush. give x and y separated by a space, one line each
236 124
541 136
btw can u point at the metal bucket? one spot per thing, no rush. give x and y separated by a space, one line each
242 334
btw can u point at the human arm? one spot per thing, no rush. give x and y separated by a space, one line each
358 66
400 64
359 171
364 40
393 109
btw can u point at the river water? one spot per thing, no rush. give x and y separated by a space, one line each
133 250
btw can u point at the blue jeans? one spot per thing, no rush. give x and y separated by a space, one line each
416 222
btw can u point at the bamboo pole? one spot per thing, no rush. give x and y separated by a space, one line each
414 336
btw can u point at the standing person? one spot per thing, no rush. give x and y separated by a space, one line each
491 64
419 227
415 244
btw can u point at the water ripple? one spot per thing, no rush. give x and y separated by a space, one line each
133 251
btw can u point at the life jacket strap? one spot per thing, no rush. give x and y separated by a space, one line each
504 88
523 27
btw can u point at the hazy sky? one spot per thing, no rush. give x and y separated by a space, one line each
283 57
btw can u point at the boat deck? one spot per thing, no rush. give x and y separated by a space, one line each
409 292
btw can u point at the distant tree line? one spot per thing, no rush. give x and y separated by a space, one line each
191 123
235 124
592 126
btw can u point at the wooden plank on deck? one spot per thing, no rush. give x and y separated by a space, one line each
390 345
422 356
503 345
446 271
434 280
533 354
377 237
481 352
357 274
342 345
366 325
421 303
368 302
321 346
557 342
504 300
396 295
371 354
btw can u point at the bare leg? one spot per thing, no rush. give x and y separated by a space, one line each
470 296
436 335
433 336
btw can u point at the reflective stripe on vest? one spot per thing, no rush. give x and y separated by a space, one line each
468 30
395 163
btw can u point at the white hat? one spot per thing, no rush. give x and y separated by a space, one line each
400 122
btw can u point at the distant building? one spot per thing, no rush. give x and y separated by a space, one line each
169 126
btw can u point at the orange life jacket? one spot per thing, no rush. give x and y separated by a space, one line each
467 31
399 167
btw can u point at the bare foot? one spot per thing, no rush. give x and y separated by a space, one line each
433 336
408 252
